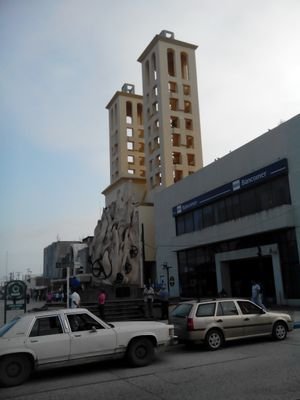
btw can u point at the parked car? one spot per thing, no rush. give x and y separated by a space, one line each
74 336
218 320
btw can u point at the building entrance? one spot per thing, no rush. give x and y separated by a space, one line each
260 269
236 269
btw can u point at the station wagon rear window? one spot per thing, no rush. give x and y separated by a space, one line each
182 310
206 310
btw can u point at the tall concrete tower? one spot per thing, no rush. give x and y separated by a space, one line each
173 147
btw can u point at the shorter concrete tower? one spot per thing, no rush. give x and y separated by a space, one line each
126 134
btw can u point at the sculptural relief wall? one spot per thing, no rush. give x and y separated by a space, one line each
114 252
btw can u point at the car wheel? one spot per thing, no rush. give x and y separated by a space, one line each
14 370
140 352
214 339
279 331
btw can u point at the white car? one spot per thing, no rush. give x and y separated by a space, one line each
74 336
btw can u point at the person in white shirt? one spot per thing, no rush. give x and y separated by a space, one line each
148 299
256 295
75 299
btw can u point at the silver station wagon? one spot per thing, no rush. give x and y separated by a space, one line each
215 321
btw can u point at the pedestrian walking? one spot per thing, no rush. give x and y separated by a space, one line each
148 300
164 299
256 294
101 304
75 299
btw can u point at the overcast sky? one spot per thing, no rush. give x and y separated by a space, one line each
63 60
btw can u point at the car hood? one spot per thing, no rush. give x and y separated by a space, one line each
285 316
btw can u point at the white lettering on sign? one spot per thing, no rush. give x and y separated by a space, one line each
254 178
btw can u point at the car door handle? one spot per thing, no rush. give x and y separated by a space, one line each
77 335
33 341
246 319
219 320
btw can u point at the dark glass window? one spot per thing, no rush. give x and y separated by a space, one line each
220 211
208 215
198 219
227 308
206 310
189 222
182 310
46 326
180 225
253 200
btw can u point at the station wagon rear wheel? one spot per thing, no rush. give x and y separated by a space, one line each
14 370
214 339
140 352
279 331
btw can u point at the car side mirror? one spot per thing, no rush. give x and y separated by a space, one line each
262 311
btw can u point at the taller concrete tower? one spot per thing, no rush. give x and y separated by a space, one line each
173 147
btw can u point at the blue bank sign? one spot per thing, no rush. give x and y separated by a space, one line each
255 178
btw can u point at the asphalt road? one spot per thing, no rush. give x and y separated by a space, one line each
253 370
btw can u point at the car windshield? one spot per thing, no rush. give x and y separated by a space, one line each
5 328
182 310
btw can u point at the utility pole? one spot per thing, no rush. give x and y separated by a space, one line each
167 268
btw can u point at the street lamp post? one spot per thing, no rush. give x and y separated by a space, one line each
167 268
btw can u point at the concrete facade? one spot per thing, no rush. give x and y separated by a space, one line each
263 229
171 111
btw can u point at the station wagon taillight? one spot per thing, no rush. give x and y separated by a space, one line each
190 324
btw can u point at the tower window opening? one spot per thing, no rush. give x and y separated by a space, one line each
154 66
128 112
172 87
140 133
177 175
157 161
155 107
130 159
188 107
188 124
176 158
131 171
130 145
175 138
184 66
158 180
156 142
140 113
174 104
147 72
171 62
191 159
189 142
141 147
174 122
186 90
129 132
